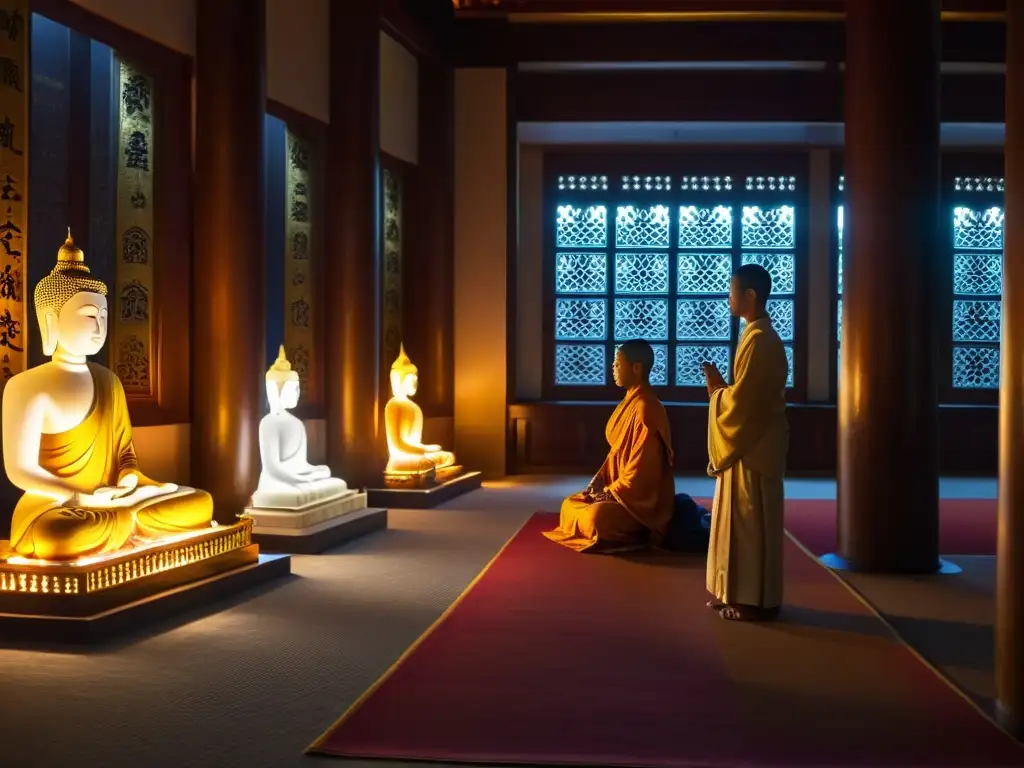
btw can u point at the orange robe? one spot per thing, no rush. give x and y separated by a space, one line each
637 474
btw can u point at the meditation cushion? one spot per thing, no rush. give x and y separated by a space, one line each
690 527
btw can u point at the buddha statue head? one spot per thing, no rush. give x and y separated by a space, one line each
282 384
71 306
404 376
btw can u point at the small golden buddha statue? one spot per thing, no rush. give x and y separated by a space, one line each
67 437
409 459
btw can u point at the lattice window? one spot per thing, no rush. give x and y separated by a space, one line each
581 271
652 258
581 183
976 216
641 273
977 230
706 183
642 227
580 364
765 228
656 183
642 277
703 270
582 227
773 183
580 320
978 184
641 319
705 227
774 228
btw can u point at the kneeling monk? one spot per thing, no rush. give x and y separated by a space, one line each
629 502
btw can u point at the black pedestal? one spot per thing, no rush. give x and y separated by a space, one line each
424 498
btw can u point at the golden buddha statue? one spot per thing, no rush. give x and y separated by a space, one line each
409 459
67 437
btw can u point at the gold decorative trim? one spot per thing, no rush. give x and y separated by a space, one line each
133 300
19 575
14 192
391 282
974 17
300 306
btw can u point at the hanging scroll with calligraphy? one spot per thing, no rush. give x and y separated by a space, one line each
131 304
13 194
391 283
300 279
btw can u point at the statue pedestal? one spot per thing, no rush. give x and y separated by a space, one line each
422 492
95 597
315 527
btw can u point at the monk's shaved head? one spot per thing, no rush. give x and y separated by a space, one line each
754 277
639 351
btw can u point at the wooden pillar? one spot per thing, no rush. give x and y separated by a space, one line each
428 276
888 400
353 256
228 295
1010 547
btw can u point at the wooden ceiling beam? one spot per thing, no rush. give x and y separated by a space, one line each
419 26
729 96
492 42
617 11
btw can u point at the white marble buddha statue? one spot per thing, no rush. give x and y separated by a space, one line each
67 438
287 479
403 421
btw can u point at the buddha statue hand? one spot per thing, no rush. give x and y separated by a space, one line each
115 496
106 497
109 493
319 472
131 481
432 448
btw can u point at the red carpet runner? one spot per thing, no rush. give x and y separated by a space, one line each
559 658
966 526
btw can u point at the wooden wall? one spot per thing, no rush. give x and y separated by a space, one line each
561 437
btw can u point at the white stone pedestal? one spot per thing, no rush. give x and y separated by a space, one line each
315 527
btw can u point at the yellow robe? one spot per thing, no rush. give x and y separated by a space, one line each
98 452
748 438
637 474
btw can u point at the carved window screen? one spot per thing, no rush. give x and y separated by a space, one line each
650 255
975 226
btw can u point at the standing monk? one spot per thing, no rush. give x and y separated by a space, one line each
748 438
629 502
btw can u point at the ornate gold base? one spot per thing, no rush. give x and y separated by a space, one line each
421 480
454 484
90 586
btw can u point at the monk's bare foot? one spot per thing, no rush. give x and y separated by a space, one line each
747 613
715 605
